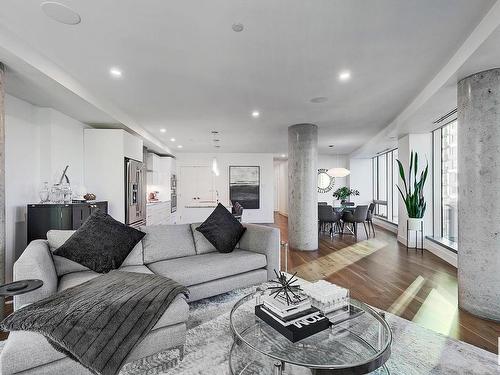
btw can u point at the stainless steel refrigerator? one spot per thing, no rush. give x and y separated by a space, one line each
135 195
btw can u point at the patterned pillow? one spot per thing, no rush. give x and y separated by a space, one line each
222 230
101 243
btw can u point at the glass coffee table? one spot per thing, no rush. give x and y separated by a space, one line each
359 344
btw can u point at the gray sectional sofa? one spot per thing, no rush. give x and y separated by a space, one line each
175 251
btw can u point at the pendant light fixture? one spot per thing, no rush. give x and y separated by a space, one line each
215 142
338 171
215 167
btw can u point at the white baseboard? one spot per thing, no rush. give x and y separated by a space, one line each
439 251
383 224
442 252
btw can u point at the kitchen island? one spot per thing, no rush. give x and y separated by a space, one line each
197 212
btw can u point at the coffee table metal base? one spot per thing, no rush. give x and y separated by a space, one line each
251 364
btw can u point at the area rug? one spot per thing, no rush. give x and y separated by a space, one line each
415 350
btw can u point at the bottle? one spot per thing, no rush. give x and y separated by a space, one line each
44 193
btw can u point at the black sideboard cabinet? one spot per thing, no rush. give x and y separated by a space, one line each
70 216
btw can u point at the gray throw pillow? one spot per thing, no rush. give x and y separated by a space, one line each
222 230
101 243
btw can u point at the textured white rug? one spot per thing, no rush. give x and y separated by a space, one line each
415 350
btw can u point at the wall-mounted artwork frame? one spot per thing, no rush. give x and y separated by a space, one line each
244 186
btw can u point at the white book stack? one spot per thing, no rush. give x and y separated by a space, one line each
283 310
326 297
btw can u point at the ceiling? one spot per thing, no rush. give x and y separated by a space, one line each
481 51
185 70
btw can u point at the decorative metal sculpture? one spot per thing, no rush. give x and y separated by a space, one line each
286 289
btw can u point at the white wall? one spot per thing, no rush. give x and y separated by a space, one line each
282 175
61 144
262 215
324 161
104 168
39 142
22 170
276 189
361 179
422 144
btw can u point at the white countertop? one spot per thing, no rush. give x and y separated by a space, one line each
157 202
204 205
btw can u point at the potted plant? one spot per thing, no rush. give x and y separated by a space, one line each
343 193
414 199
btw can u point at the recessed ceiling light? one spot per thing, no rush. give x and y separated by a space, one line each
319 99
172 139
345 75
179 146
60 13
283 155
115 72
163 130
255 114
238 27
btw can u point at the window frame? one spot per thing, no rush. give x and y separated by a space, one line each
389 202
437 183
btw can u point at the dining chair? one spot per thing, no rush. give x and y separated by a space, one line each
369 218
355 217
328 216
237 211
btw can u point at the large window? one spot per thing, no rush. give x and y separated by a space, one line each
445 183
385 172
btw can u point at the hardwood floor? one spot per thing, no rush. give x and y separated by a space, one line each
379 271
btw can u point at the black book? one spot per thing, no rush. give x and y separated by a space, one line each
296 331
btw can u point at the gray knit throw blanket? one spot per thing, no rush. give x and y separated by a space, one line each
99 322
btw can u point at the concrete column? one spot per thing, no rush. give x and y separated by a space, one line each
302 187
2 184
479 194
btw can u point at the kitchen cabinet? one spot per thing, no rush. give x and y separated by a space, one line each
44 217
82 211
159 172
197 184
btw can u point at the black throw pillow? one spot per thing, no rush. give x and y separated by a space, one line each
222 230
101 243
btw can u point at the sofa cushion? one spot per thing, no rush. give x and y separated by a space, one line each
63 265
177 312
202 245
206 267
101 243
167 242
75 278
222 230
29 351
138 269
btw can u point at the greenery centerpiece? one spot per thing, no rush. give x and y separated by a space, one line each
343 193
413 198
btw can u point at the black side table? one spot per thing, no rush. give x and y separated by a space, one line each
19 287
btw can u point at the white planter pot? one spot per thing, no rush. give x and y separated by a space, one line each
415 224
